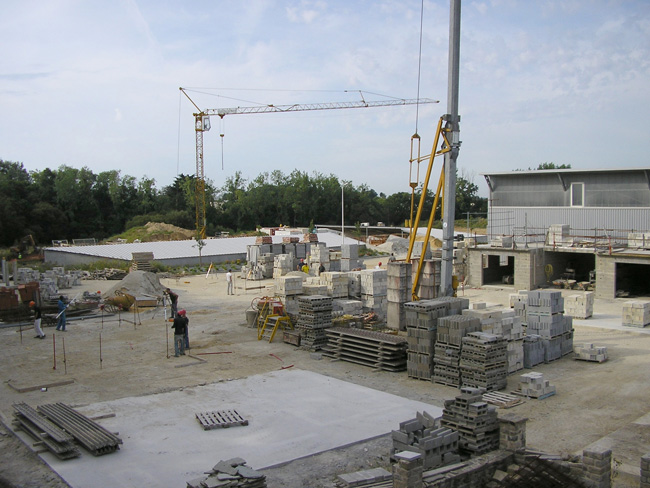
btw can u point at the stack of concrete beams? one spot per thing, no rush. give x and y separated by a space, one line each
51 436
314 317
344 306
534 385
636 313
350 257
378 350
475 421
545 317
451 331
373 291
282 264
354 284
231 473
589 352
533 350
336 282
398 292
438 445
483 361
579 306
429 279
421 330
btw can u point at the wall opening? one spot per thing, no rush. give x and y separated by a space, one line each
571 265
498 269
632 280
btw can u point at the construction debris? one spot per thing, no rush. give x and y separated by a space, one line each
230 474
138 283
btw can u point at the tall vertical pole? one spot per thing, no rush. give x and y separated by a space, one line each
342 220
452 125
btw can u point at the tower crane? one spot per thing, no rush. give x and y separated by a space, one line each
202 124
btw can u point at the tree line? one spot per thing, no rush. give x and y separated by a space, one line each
69 203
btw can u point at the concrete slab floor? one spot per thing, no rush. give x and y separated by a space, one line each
292 413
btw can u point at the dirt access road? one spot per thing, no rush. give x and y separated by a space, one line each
595 402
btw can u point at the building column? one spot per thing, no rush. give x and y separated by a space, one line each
598 467
512 432
407 472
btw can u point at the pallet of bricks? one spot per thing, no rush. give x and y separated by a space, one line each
288 288
378 350
545 318
483 361
579 306
636 313
475 421
314 317
421 332
336 283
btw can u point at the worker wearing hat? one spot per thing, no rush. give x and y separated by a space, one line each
37 320
180 333
378 266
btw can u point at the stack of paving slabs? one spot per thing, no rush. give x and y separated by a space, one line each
636 313
314 317
374 288
230 474
483 361
377 350
579 306
336 282
475 421
282 264
429 281
438 445
55 439
545 317
447 351
421 330
533 385
589 352
398 292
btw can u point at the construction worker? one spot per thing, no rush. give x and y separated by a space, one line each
173 300
180 333
37 321
60 325
378 266
229 282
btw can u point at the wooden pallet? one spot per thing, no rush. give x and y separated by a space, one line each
541 397
502 400
220 418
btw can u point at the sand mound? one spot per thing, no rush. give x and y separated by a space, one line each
138 283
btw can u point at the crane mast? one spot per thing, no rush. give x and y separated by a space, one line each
202 124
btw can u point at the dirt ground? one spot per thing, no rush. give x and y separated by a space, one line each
594 402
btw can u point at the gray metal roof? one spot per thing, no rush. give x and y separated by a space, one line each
570 170
186 249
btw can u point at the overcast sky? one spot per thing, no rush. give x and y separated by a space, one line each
95 83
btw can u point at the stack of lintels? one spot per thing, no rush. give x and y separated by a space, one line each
231 473
350 257
336 282
373 291
506 324
282 264
56 440
89 434
438 445
636 313
534 385
429 281
475 421
343 306
451 331
589 352
483 361
579 306
375 349
354 284
398 292
545 317
288 288
421 330
314 317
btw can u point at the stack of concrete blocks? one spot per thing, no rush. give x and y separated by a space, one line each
534 385
475 421
319 254
344 306
483 361
76 276
282 264
421 330
336 282
518 303
335 261
589 352
501 241
313 288
350 257
354 284
287 288
638 240
417 250
447 351
579 306
398 292
438 445
374 288
26 275
48 288
533 350
636 313
429 279
265 262
545 317
314 317
558 235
